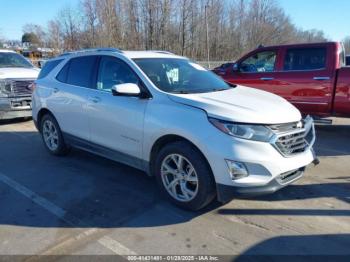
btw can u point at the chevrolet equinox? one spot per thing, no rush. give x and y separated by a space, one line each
201 138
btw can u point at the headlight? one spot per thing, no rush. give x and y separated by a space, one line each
245 131
5 88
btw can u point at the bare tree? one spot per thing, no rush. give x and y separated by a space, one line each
109 23
149 20
69 23
132 24
164 21
310 36
184 17
90 22
234 26
54 35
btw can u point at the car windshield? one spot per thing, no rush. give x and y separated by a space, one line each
183 76
13 60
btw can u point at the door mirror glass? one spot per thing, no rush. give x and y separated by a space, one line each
128 89
235 67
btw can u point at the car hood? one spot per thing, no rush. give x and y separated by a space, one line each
18 72
243 105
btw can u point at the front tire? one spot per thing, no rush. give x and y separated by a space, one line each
52 136
184 176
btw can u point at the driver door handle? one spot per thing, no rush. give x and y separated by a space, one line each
94 99
266 78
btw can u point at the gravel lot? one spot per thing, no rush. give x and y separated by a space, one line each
84 204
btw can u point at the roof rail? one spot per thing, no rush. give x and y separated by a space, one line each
102 49
162 52
109 49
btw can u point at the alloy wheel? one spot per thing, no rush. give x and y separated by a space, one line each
50 135
179 177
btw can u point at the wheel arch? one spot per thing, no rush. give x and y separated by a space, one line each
167 139
40 115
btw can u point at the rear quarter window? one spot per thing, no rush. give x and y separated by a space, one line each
62 75
305 59
48 67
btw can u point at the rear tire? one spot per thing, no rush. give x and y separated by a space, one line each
184 176
52 136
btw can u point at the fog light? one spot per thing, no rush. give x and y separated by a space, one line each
237 169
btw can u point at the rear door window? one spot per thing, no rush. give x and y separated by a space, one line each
259 62
78 71
305 59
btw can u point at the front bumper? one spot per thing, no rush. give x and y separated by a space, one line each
15 107
227 193
265 163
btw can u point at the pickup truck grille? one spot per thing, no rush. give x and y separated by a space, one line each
21 87
294 138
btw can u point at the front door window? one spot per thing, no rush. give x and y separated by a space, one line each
259 62
114 72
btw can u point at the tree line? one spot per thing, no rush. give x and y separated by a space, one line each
225 28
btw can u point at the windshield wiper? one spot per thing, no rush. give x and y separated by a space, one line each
13 66
219 89
180 92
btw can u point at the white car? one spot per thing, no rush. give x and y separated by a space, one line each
17 76
168 116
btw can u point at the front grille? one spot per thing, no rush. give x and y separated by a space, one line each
21 87
292 144
294 138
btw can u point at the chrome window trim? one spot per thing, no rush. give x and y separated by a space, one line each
308 103
285 71
304 70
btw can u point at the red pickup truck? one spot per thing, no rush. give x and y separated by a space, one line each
313 77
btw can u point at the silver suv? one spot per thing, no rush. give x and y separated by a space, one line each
166 115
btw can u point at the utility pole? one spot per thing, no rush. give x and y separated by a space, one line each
207 35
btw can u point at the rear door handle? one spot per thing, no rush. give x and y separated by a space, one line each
94 99
55 90
321 78
266 78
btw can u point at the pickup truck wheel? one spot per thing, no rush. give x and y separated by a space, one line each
52 136
184 176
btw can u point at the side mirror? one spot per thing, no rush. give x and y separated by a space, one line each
127 89
235 67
